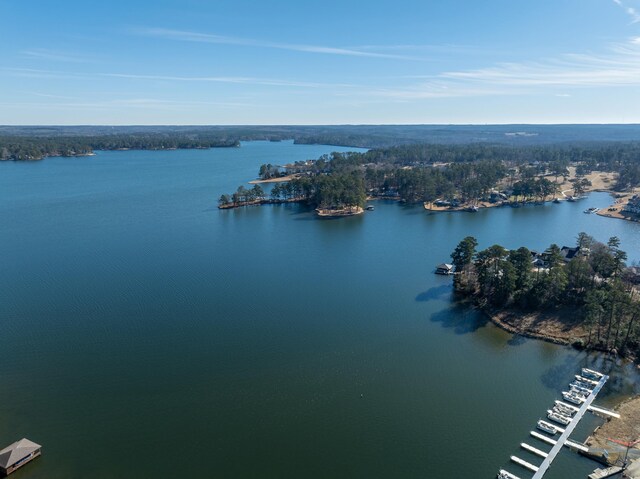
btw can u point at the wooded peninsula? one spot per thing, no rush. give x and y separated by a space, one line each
583 295
447 175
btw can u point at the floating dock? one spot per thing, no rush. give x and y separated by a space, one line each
564 441
600 411
533 450
507 474
524 464
569 429
543 438
602 473
576 446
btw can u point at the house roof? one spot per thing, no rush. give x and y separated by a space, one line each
16 451
568 253
444 266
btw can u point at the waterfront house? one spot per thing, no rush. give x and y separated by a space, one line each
537 259
496 196
444 268
17 455
568 253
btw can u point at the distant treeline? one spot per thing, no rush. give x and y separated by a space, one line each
36 148
368 136
486 141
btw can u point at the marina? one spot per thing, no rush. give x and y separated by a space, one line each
567 415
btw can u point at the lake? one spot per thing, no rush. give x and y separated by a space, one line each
148 334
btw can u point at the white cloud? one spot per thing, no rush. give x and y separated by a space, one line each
198 37
619 65
631 11
44 54
135 103
221 79
53 74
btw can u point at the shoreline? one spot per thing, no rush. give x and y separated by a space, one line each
320 212
339 212
265 201
628 426
93 152
549 327
624 428
615 210
279 179
501 320
469 207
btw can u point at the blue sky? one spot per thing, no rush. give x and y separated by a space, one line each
309 62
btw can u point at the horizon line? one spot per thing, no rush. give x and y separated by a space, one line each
244 125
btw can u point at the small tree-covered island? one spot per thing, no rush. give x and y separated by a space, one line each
582 295
337 194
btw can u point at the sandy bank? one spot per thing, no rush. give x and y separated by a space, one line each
339 212
559 327
615 210
627 428
280 179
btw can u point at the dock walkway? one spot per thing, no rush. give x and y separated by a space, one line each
542 469
577 412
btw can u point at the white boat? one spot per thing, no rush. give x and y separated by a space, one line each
579 391
593 209
586 380
572 397
573 408
591 374
559 418
546 427
502 474
564 410
582 385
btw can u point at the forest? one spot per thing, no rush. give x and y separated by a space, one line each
592 281
462 173
37 148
